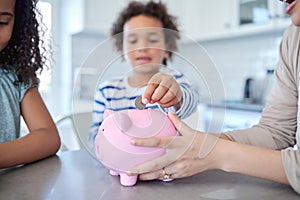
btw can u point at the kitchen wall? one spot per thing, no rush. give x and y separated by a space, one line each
235 57
240 57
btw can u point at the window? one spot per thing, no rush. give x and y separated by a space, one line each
45 77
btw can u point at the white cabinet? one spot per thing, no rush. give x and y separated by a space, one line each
257 16
218 19
214 19
260 11
202 19
100 14
218 119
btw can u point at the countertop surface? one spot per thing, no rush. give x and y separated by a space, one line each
235 105
77 175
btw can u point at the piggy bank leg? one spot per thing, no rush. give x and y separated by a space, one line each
127 180
114 173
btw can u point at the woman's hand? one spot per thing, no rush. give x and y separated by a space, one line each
193 152
164 90
185 155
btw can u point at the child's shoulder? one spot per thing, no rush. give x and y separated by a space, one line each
114 82
170 71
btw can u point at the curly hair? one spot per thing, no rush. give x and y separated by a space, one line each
153 9
26 53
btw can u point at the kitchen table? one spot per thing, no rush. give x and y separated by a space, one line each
76 175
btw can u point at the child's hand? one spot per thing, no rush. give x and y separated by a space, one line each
164 90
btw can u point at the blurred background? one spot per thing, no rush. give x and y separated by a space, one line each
241 37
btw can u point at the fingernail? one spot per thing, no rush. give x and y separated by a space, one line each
132 141
129 173
144 100
172 112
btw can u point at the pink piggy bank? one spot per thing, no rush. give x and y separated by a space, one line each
112 143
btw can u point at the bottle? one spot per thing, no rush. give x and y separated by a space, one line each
268 83
248 91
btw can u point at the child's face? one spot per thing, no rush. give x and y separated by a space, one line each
7 8
144 43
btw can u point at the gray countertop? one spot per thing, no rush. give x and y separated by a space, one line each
246 107
76 175
236 105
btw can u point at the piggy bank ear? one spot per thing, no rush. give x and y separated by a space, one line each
107 112
122 120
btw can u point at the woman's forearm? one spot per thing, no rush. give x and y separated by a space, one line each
249 160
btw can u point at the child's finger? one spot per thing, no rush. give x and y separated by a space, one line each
159 93
147 96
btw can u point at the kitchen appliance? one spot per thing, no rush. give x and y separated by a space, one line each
257 89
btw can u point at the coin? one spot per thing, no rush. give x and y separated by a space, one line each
138 103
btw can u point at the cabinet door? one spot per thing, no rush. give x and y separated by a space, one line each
219 18
214 19
262 15
202 19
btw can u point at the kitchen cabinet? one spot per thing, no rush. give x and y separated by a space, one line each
260 11
200 19
233 117
203 20
259 16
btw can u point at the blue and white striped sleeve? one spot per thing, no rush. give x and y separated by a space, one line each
99 105
190 97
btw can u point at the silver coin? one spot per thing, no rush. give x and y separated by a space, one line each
138 103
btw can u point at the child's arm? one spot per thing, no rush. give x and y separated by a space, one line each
41 141
172 90
163 89
99 105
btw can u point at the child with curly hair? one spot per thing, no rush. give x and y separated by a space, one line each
146 36
20 59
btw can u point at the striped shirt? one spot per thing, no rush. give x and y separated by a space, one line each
116 94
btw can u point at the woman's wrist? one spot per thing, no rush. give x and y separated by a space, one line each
213 151
221 154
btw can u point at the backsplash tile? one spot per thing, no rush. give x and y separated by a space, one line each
240 58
